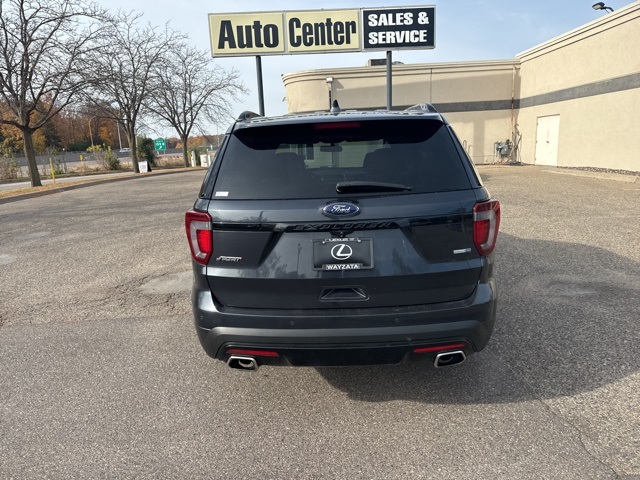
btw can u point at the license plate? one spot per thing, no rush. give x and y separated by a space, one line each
343 254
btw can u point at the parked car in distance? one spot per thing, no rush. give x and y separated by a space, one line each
343 238
125 150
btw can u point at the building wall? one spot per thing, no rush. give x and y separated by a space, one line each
478 98
590 77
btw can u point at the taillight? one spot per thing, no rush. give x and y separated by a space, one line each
200 235
486 221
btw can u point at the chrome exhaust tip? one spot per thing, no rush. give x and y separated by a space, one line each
445 359
243 363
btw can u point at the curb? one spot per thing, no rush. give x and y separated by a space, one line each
616 177
91 183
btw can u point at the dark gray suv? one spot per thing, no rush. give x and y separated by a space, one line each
343 238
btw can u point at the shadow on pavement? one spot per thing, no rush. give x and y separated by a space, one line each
567 323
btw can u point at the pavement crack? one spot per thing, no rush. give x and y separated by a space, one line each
563 420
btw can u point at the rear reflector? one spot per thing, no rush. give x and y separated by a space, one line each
253 353
486 222
439 348
200 235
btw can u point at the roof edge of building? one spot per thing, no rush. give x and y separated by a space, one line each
588 29
405 68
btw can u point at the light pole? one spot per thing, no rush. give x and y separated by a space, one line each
329 81
119 139
601 6
91 134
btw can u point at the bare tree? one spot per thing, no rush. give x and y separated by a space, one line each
43 47
123 76
190 91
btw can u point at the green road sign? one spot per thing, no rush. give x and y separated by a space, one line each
160 144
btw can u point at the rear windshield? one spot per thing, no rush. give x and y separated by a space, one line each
310 160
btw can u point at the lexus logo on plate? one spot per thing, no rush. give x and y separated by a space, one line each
341 251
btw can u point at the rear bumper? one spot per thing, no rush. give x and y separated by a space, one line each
345 336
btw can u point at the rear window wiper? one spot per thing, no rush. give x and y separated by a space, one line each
367 187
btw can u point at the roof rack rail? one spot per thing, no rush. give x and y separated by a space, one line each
422 107
247 115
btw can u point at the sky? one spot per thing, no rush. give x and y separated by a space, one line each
465 30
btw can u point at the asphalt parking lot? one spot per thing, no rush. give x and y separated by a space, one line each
101 374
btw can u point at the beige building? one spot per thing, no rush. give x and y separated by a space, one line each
572 101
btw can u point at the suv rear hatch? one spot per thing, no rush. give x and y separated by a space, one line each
342 214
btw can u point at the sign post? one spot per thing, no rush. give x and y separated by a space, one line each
389 80
260 89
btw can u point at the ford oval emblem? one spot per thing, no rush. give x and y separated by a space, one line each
341 210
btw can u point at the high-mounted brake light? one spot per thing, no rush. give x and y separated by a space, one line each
486 222
336 125
200 235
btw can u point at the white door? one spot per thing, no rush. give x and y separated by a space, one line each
547 132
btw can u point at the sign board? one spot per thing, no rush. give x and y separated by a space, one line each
247 34
143 166
398 28
160 144
321 31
